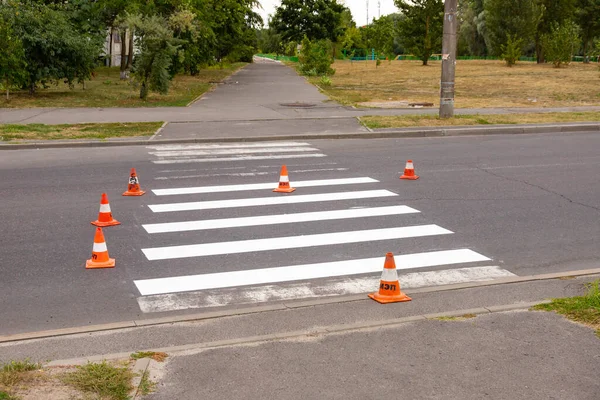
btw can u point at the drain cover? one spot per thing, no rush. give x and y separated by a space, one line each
298 105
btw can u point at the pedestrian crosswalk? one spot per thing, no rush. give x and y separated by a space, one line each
240 243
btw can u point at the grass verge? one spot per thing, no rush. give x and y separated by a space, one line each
10 132
155 355
479 83
107 90
459 318
13 375
410 121
106 380
583 309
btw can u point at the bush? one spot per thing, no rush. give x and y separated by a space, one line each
325 81
560 44
315 58
512 50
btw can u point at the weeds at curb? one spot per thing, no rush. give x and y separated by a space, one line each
583 309
103 379
155 355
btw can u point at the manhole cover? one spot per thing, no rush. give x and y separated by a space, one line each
297 105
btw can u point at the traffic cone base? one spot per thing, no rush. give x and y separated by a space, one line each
139 193
133 187
389 299
284 182
409 172
105 217
284 190
389 286
412 178
91 264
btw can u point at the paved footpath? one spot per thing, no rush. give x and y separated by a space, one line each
262 91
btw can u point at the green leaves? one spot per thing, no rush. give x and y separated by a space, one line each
315 19
421 30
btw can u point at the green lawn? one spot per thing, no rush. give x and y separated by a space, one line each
10 132
107 90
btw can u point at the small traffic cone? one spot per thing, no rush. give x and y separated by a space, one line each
100 257
389 287
133 188
105 217
284 182
409 171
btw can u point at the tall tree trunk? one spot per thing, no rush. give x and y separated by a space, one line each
426 42
110 47
130 50
586 60
123 69
7 94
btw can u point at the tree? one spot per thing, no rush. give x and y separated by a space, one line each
269 41
421 29
510 18
52 48
12 64
553 12
560 43
382 36
511 50
157 46
315 58
315 19
588 18
472 27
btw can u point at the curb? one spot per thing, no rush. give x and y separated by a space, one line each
321 331
278 307
374 134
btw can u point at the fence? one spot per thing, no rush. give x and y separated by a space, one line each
409 57
278 57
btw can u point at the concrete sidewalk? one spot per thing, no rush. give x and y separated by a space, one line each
258 92
358 349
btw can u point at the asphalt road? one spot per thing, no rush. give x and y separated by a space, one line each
529 203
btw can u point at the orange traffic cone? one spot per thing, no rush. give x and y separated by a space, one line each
409 171
100 257
105 217
133 188
389 287
284 182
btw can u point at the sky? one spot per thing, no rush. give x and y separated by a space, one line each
358 8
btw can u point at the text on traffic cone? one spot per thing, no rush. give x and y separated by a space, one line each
105 217
100 258
389 286
133 187
284 182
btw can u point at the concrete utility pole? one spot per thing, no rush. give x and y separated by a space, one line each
448 59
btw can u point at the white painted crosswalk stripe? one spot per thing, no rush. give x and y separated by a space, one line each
276 219
168 147
259 186
239 158
266 201
302 272
291 242
183 153
296 291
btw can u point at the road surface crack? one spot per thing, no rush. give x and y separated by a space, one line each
538 187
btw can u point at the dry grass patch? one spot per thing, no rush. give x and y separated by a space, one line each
407 121
459 318
10 132
478 83
107 90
